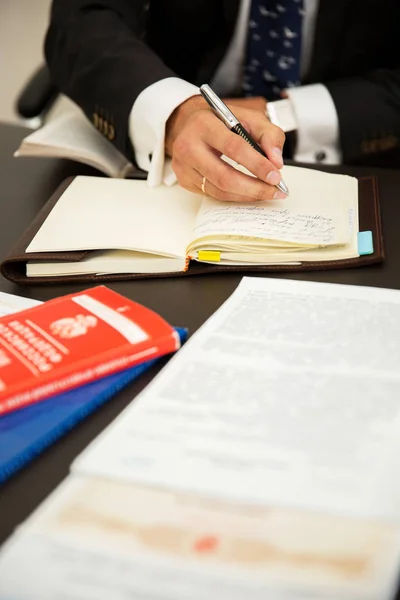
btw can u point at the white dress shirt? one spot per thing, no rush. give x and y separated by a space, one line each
309 109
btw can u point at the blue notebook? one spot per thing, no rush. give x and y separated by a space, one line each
27 432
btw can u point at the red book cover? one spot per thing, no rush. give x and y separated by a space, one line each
73 340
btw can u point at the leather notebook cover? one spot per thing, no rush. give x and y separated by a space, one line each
14 265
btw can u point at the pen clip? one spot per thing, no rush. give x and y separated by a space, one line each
219 107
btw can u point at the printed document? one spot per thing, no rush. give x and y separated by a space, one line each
288 396
261 463
99 540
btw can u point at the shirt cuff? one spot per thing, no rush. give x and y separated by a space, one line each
281 113
317 125
147 121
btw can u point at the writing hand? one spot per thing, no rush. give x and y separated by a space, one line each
196 139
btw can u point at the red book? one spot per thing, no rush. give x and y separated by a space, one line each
73 340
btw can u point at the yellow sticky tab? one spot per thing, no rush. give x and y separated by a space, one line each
209 255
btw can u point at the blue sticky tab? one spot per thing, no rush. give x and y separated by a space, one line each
365 243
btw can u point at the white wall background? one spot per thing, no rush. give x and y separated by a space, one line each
22 27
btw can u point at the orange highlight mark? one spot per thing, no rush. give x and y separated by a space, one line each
206 543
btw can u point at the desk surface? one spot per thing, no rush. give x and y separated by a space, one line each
25 185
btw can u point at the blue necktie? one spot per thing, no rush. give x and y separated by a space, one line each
273 47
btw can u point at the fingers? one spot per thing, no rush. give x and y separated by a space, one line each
198 145
235 147
231 181
223 182
187 179
218 194
270 137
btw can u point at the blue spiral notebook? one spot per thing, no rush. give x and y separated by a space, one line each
25 433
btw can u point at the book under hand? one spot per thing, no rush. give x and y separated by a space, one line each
134 228
73 340
101 229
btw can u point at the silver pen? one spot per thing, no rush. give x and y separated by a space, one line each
229 119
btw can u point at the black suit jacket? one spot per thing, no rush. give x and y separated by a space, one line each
103 53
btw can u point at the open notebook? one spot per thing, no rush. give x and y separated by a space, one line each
97 228
72 136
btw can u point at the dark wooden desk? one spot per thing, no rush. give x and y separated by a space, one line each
25 184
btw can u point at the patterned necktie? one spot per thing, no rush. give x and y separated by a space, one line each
273 47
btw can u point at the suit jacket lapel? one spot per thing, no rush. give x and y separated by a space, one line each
228 12
231 9
330 20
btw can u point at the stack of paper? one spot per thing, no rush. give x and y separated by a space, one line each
261 463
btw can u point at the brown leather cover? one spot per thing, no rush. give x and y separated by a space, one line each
14 265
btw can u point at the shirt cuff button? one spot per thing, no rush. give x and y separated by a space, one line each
320 156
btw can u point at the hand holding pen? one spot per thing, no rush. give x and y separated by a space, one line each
196 137
232 123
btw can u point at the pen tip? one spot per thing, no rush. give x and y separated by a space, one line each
283 187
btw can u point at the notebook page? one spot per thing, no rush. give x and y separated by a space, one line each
72 136
254 251
315 212
114 214
287 396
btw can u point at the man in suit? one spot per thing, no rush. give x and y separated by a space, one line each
330 70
